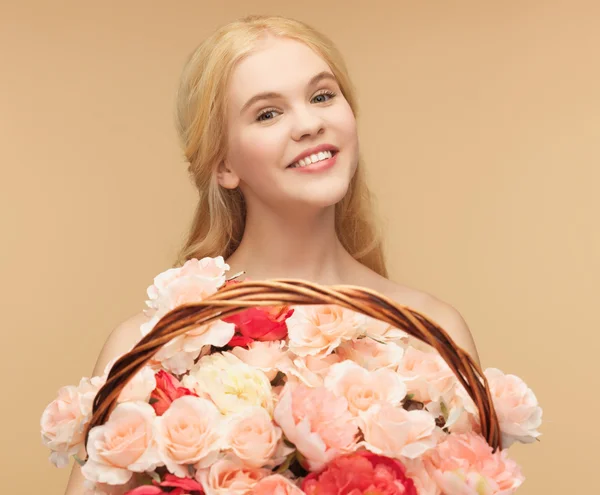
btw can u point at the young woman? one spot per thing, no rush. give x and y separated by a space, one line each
267 119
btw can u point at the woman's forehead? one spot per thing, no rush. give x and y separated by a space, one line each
278 65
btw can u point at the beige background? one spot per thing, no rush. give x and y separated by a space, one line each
480 126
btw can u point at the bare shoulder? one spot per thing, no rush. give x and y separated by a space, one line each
443 313
124 336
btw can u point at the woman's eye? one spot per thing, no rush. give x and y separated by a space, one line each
264 113
330 94
269 111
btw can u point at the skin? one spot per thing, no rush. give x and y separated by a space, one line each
289 229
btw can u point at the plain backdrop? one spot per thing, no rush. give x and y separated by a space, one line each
480 126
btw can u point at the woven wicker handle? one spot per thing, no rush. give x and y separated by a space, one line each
234 298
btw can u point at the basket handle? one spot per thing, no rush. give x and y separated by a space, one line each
234 298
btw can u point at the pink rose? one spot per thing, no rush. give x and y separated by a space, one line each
230 477
396 432
465 463
426 374
193 282
276 485
167 390
317 422
318 329
189 432
311 370
361 473
254 439
123 445
269 357
381 331
363 388
517 407
372 355
62 425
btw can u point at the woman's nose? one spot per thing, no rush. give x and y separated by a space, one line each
307 123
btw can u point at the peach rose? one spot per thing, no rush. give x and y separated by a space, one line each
123 445
189 432
230 383
380 330
193 282
179 354
269 357
363 388
465 463
370 354
426 374
395 432
254 439
311 370
62 426
276 485
230 477
318 329
317 422
517 407
424 483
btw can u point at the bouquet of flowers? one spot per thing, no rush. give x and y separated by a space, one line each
286 400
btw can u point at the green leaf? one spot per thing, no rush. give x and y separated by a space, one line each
78 460
410 397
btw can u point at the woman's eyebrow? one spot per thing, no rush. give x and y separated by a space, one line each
271 94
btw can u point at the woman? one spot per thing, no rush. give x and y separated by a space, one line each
267 119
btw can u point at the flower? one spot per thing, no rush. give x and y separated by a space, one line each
269 357
360 473
189 432
465 463
381 330
262 323
254 439
317 422
62 425
193 282
179 354
311 370
123 445
517 407
318 329
276 485
230 383
183 486
426 374
396 432
363 388
370 354
168 388
230 477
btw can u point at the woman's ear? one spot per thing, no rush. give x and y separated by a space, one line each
226 177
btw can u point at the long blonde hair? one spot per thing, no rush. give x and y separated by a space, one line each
220 215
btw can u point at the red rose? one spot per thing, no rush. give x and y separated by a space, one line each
167 390
361 473
260 323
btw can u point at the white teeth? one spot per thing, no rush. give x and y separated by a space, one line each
323 155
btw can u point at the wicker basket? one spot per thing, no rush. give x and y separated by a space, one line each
234 298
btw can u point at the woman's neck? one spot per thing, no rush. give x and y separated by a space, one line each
297 245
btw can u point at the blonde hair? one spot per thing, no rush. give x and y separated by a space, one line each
219 219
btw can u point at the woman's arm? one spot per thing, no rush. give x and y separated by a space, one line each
120 341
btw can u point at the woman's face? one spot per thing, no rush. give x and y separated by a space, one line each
266 135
